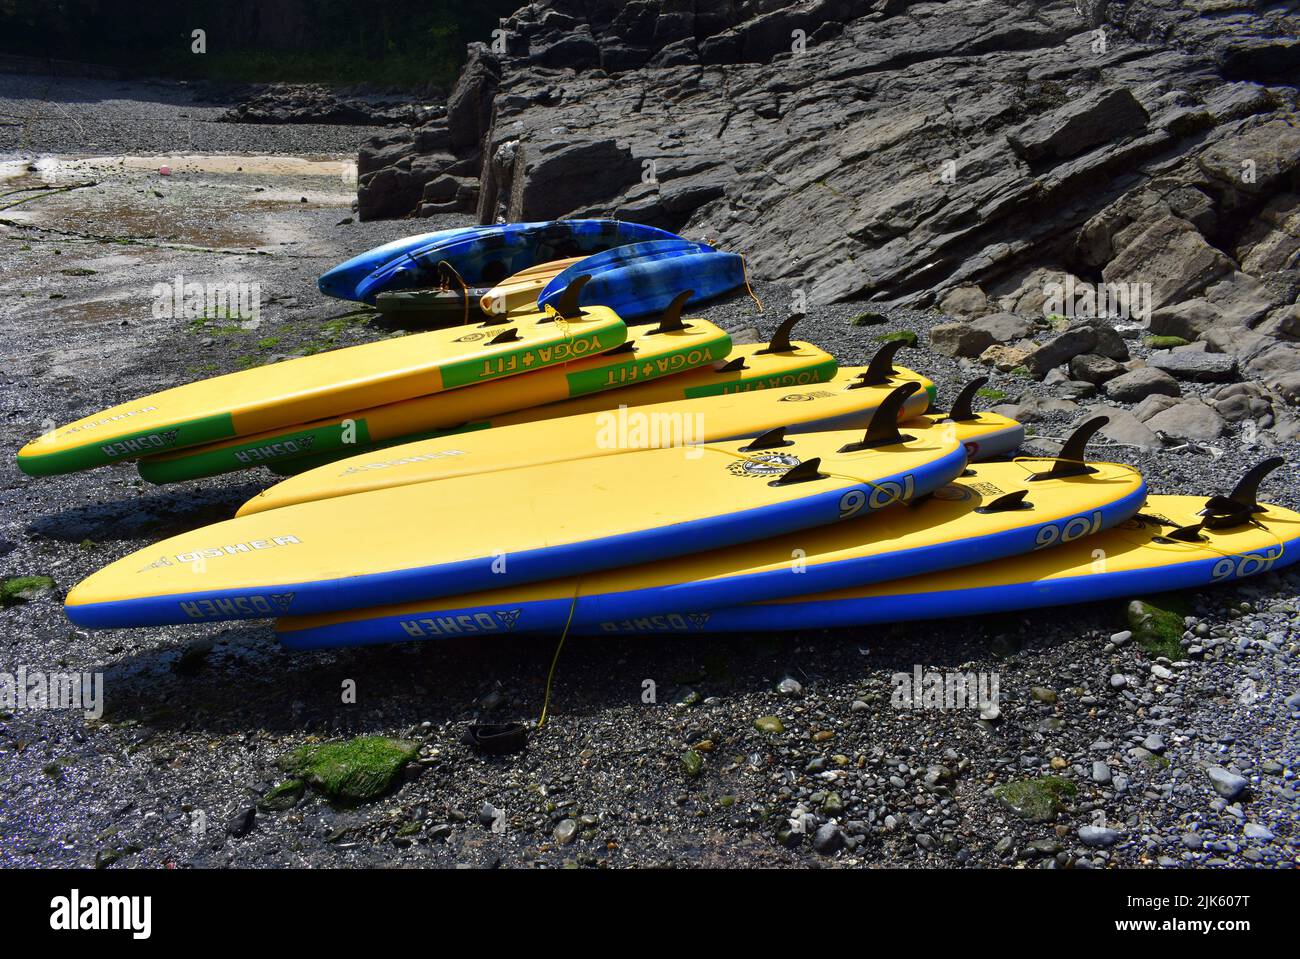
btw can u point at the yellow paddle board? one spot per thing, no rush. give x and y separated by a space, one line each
780 363
326 384
842 403
518 293
514 526
993 511
645 356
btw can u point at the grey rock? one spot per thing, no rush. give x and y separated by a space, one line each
1141 383
1189 420
1197 367
1227 784
959 339
1081 124
1101 773
1098 837
1092 368
1060 349
828 839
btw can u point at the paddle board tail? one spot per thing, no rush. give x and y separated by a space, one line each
999 510
1172 544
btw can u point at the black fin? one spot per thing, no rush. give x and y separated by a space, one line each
1007 503
1069 462
767 441
881 367
1185 534
567 306
508 335
1240 504
670 320
780 341
806 471
884 421
962 410
733 366
496 739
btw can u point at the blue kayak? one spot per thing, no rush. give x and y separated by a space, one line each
341 281
643 278
488 255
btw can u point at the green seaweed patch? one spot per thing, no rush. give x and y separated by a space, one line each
282 796
1038 800
692 763
870 318
353 772
988 393
1165 342
902 336
23 589
1157 629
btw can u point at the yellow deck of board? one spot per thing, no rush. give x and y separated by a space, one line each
948 516
595 426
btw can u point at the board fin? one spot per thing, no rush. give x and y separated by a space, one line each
770 440
496 739
508 335
733 366
963 406
780 341
1069 462
1240 505
1185 534
883 430
566 308
1007 503
670 320
881 367
804 472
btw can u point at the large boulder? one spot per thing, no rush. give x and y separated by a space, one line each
1081 124
1140 383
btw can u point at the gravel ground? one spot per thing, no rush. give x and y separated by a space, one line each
198 719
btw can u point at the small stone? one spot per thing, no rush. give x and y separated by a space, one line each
241 823
1118 681
1154 743
1101 773
828 839
1043 695
1226 784
1122 637
1254 830
1098 837
692 763
789 687
769 724
565 831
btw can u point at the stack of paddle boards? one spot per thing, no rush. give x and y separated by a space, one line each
543 468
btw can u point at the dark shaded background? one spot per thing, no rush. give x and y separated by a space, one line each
412 44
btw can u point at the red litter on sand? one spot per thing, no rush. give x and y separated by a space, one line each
165 170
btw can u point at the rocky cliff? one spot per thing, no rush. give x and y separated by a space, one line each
959 153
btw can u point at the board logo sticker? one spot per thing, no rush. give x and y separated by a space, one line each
282 600
475 336
764 465
698 620
159 563
1248 564
805 397
508 617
